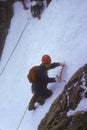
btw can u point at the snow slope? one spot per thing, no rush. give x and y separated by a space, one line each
61 33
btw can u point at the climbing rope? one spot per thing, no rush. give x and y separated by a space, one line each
22 118
15 47
29 19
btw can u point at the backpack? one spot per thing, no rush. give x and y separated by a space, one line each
32 75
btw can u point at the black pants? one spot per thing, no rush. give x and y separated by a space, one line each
38 98
48 94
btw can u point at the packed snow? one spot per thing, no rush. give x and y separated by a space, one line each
62 33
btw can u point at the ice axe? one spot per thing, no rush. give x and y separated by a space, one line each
60 75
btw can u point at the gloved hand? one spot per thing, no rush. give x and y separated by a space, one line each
57 78
62 64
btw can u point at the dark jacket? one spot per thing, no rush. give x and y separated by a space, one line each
40 85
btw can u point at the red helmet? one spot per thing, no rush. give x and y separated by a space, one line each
46 59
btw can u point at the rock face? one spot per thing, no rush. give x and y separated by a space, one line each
56 118
6 13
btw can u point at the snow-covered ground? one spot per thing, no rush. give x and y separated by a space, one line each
61 33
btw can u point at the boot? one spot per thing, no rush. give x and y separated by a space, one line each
39 17
31 107
32 102
40 100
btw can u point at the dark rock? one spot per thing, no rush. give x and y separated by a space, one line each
78 122
74 96
74 91
86 94
6 13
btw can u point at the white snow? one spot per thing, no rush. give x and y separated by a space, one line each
61 33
